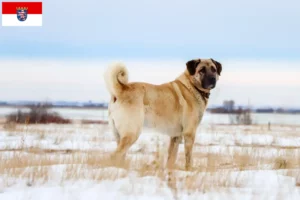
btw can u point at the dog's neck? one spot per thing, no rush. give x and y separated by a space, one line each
204 94
188 83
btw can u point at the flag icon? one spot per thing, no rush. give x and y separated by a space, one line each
22 13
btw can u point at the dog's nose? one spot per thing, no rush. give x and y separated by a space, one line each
212 80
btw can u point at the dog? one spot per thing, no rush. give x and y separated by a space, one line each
175 108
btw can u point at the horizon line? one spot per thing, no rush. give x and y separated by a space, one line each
107 102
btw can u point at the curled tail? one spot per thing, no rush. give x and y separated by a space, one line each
116 78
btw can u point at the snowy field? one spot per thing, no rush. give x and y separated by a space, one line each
72 162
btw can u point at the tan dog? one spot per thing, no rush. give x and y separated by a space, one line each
175 108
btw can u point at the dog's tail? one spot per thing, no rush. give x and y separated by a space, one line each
116 78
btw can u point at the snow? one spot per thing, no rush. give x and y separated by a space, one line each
261 185
223 160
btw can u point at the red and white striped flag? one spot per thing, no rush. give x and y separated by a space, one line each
22 13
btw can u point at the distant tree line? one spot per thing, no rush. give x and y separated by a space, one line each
56 104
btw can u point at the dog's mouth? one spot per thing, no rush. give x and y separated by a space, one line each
211 86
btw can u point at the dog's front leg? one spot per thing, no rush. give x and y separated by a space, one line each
173 149
189 139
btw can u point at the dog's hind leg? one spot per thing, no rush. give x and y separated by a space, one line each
115 131
128 129
124 144
173 149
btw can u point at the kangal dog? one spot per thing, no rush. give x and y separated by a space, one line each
174 108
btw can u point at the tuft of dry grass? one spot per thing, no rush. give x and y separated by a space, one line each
10 126
214 166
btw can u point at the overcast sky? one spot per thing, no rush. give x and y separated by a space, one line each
65 57
155 28
261 83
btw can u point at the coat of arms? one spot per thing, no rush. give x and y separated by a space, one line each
22 13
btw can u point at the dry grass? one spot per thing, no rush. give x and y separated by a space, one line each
211 168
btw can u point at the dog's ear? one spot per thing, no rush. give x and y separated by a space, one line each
191 66
218 65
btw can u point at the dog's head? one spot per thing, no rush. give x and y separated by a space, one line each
204 73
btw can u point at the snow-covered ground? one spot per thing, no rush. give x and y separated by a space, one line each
72 162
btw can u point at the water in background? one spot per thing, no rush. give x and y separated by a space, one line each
209 118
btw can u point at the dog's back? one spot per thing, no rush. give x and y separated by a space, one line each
143 104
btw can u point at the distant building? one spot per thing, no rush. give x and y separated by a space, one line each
280 110
228 105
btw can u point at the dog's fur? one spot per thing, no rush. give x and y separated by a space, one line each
174 108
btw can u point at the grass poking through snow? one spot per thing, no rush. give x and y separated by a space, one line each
223 156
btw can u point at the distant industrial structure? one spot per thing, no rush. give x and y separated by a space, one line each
230 107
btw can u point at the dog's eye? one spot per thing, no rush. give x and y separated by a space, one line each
203 70
213 70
